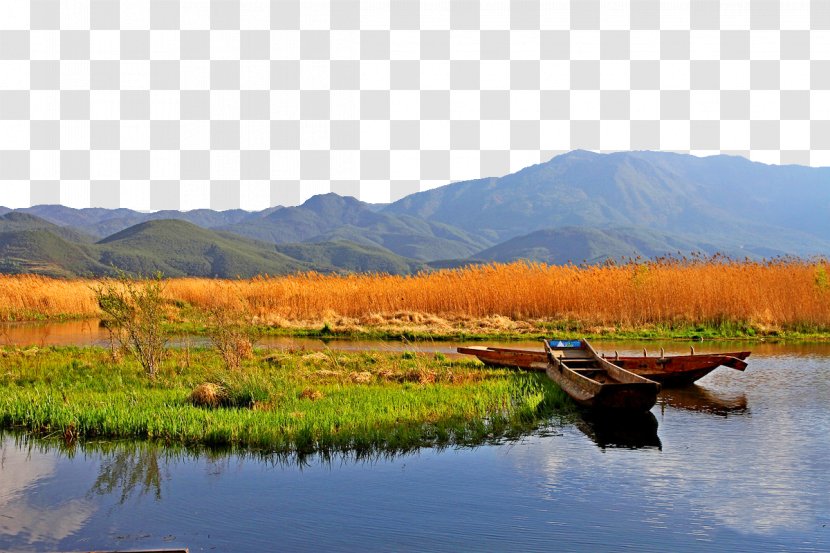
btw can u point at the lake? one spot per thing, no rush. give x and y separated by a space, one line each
739 462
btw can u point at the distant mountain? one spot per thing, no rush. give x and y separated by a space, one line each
101 222
577 207
176 248
588 245
314 217
39 251
17 221
29 244
345 256
329 217
728 201
179 248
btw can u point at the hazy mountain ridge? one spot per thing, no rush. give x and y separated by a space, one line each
100 222
580 206
714 198
329 217
16 221
176 248
586 245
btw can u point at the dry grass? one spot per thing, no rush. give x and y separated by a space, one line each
208 395
493 298
26 297
498 297
311 394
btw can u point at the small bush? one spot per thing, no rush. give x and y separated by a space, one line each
361 377
133 312
208 395
232 334
313 395
244 394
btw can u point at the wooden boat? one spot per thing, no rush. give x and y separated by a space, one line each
594 382
670 371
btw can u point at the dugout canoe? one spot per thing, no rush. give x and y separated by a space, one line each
669 370
594 382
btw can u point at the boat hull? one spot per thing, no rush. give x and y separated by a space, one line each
602 386
623 397
671 371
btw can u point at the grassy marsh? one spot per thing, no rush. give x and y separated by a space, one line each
298 402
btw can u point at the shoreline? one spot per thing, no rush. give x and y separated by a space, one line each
481 330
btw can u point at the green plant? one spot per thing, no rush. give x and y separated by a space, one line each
231 334
134 312
822 281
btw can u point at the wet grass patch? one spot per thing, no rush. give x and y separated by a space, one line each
278 401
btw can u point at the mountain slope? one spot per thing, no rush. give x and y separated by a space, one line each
100 222
17 221
179 248
716 198
350 257
582 244
39 251
329 217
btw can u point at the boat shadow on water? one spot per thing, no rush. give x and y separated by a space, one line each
635 431
629 431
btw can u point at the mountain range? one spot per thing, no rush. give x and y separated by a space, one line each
577 207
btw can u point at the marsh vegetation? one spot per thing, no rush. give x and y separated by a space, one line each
712 297
278 402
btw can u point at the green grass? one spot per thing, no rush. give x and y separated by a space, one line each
297 402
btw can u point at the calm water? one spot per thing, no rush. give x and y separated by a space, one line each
739 462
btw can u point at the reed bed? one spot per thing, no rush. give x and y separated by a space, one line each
785 294
291 402
32 297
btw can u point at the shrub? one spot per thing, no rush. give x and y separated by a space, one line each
134 312
231 334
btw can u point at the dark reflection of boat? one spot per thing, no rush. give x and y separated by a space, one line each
630 431
697 398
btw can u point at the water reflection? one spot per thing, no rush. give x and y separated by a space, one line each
714 476
67 333
703 400
130 470
629 431
26 517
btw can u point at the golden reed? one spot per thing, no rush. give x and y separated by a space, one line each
785 293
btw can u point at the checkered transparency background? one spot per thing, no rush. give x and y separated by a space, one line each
183 104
